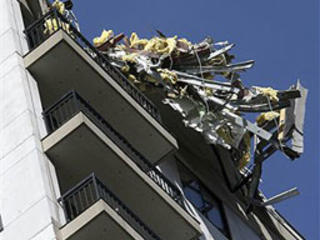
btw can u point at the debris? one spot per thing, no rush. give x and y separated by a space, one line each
282 120
188 73
294 122
246 155
203 84
277 198
59 6
52 25
65 9
105 36
268 92
168 76
267 116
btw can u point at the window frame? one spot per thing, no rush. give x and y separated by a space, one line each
187 184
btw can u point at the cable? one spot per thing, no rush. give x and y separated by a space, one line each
276 123
202 82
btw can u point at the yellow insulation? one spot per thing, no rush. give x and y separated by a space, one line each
136 42
268 92
105 36
125 69
168 76
161 45
59 6
267 116
132 78
245 159
185 41
156 45
52 25
130 57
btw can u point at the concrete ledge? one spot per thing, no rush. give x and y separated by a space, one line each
105 218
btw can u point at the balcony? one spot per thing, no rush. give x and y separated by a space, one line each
80 141
61 59
93 212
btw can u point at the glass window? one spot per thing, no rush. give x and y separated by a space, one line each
194 197
214 216
204 201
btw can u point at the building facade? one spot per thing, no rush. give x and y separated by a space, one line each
86 155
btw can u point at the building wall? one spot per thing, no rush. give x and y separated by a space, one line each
210 232
28 182
239 229
27 197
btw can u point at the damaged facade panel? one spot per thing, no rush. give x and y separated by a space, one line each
202 83
295 115
217 109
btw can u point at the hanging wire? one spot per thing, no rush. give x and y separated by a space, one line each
202 81
276 123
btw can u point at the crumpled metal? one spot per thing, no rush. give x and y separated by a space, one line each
203 84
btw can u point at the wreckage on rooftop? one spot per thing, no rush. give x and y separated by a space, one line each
190 78
187 74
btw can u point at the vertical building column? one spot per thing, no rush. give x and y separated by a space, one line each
27 180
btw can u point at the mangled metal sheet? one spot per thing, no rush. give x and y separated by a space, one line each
188 73
203 84
295 115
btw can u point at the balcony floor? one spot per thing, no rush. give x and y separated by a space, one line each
96 223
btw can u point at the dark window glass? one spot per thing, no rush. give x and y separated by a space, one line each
206 203
193 197
214 216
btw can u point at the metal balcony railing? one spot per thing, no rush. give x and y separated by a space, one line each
89 191
52 22
71 104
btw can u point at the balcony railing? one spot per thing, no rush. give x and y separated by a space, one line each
52 22
71 104
88 192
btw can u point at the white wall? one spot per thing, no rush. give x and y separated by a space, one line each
27 197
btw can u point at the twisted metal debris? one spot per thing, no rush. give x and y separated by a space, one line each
188 74
203 84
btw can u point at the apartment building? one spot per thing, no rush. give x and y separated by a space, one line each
85 155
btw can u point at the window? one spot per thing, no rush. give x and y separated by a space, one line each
204 200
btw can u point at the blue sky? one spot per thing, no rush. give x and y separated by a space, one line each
283 38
